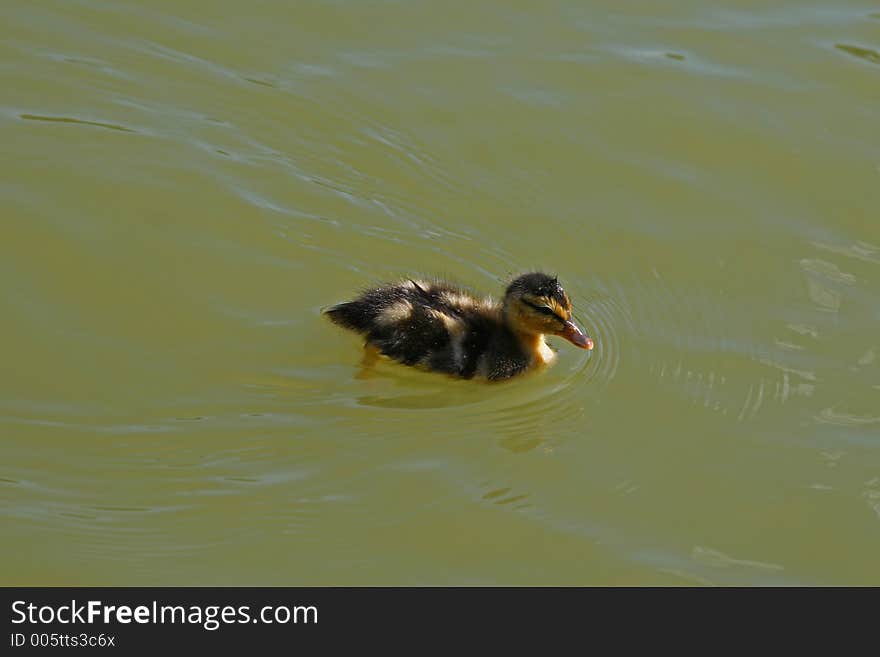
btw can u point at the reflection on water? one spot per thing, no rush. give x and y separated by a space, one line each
179 209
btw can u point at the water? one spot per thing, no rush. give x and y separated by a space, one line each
183 190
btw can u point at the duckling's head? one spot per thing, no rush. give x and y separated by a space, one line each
536 304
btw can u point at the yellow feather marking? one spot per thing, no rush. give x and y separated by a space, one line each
558 308
453 325
458 300
466 302
395 313
411 284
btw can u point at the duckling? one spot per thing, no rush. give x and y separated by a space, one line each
441 327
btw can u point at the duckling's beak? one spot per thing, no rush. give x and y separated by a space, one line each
574 334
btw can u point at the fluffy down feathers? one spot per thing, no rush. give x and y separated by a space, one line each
441 327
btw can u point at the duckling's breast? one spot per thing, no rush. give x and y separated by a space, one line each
544 354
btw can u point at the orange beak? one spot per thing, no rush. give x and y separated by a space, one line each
573 333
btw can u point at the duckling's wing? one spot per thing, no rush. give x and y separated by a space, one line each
391 303
426 323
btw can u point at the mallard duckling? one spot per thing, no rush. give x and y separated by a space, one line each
443 328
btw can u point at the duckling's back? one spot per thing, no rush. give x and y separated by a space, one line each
432 324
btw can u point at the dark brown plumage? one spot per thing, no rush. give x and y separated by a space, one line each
444 328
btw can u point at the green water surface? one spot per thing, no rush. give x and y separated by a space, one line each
184 185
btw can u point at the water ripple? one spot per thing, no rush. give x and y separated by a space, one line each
67 119
865 54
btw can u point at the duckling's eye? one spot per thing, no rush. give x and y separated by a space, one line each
544 310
